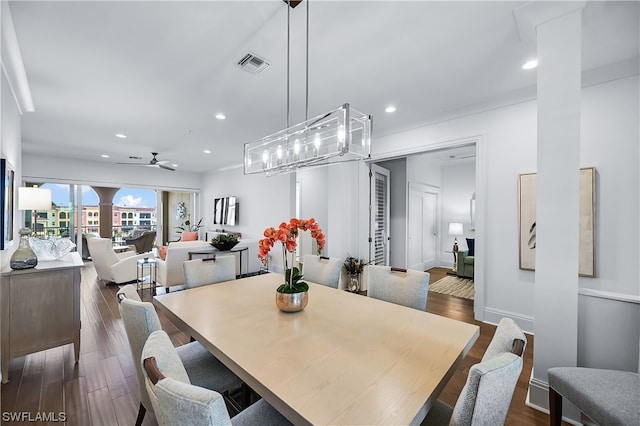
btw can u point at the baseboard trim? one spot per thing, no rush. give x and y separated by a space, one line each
493 316
539 391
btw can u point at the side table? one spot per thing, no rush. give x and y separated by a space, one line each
454 270
141 277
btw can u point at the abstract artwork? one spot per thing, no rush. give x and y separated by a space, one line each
6 196
527 221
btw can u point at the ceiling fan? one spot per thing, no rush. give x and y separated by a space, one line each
154 162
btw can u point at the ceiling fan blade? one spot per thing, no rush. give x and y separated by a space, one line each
162 166
135 164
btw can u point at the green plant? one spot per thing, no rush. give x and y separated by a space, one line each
353 265
292 283
224 239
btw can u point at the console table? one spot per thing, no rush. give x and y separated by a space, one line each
213 251
40 308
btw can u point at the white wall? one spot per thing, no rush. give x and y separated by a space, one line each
609 142
10 144
262 202
458 184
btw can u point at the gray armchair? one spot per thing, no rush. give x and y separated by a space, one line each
202 369
465 264
143 243
466 260
608 397
178 402
487 394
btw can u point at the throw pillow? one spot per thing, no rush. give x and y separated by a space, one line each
162 252
189 236
470 243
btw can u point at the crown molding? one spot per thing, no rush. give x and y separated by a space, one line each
12 64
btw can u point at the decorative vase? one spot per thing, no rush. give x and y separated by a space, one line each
24 257
292 302
353 283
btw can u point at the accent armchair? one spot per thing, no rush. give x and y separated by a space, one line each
140 321
177 402
143 243
608 397
487 394
321 270
201 272
111 266
400 286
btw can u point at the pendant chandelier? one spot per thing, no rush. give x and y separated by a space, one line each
337 136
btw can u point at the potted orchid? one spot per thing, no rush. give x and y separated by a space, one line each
291 296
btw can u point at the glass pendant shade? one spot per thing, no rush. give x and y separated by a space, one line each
343 134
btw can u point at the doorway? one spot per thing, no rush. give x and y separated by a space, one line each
422 227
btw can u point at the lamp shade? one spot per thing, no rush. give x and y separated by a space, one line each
455 228
32 198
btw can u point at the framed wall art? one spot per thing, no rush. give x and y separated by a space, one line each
6 196
527 222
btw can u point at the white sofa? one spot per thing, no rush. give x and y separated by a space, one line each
170 271
111 266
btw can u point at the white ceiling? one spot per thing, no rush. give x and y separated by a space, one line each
159 71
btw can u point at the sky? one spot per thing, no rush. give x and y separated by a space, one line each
125 197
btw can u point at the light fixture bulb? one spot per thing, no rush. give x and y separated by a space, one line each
530 64
279 152
316 141
120 135
390 108
221 116
265 157
296 146
104 156
206 151
341 135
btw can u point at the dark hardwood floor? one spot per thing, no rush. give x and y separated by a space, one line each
102 389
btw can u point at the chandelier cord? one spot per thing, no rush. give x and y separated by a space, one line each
288 54
306 96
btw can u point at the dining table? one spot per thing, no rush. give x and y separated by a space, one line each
346 359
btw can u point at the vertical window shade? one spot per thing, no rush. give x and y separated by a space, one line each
380 226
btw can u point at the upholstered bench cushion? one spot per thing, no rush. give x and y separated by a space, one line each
469 260
608 397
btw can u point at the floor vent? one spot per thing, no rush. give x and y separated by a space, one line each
253 63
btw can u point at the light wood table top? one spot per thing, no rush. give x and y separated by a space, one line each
345 359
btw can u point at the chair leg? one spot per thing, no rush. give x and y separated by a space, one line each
555 407
141 413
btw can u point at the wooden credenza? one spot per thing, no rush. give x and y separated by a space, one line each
40 308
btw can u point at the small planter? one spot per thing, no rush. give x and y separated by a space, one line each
353 283
292 302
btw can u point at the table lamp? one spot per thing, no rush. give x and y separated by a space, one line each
29 198
455 229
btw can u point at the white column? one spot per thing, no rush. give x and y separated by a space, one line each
557 214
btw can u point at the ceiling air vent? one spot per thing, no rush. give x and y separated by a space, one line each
253 63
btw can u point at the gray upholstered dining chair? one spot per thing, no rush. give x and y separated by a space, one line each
487 394
608 397
321 270
140 320
176 401
400 286
201 272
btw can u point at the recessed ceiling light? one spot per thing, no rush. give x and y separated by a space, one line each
221 116
104 156
174 165
530 64
390 108
206 151
121 135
